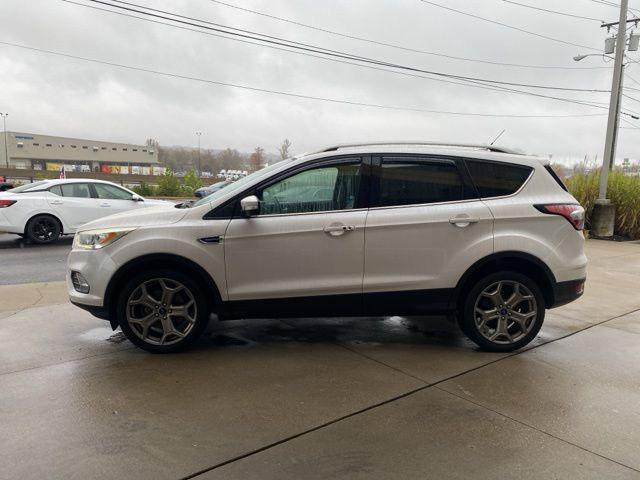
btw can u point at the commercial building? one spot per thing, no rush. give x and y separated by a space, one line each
30 151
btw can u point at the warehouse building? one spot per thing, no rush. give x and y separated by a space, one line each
27 151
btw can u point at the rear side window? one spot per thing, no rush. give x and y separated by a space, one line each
494 179
77 190
408 182
56 190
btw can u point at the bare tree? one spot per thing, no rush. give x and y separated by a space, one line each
152 143
257 159
284 149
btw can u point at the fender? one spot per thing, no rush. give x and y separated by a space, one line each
500 258
163 259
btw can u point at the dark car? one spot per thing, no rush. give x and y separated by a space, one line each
4 186
206 191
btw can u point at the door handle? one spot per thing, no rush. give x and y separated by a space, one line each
463 221
57 202
105 204
338 229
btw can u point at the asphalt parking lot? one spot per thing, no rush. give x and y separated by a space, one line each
24 262
366 398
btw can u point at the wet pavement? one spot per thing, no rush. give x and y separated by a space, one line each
22 261
356 398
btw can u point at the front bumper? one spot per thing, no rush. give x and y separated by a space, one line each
566 292
97 267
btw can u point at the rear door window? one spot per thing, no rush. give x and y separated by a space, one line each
413 181
497 179
77 190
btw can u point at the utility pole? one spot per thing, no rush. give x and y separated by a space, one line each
199 134
602 222
618 107
6 149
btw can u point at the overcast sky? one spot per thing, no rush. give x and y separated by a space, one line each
44 93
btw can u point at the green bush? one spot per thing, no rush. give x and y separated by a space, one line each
145 189
169 185
624 192
191 182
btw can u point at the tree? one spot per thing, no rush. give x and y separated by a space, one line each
169 185
284 149
191 182
256 159
152 143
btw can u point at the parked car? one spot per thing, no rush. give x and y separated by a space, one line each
479 232
4 186
208 190
42 211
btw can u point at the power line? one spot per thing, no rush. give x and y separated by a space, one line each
553 11
313 48
399 47
465 82
522 30
473 84
292 94
614 5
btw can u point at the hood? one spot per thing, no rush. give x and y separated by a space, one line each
145 217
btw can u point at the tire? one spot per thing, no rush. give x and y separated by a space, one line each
43 229
494 318
154 334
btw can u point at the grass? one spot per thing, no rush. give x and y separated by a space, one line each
624 192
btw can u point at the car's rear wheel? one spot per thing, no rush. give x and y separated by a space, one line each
162 311
43 229
503 312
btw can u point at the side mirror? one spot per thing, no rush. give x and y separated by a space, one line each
250 205
137 198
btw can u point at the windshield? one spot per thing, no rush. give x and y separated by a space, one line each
239 183
28 186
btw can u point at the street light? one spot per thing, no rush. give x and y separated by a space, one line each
199 134
6 150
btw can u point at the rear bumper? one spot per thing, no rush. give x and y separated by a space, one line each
566 292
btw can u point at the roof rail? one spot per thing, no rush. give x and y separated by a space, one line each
483 146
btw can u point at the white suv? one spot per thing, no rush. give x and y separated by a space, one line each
481 232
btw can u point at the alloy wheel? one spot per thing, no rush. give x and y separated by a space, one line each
505 312
161 311
44 229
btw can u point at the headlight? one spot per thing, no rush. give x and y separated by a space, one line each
95 239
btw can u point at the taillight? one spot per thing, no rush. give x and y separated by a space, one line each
573 212
6 203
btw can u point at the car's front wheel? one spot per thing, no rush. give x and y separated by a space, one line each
162 311
503 312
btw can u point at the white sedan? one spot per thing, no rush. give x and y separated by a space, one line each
42 211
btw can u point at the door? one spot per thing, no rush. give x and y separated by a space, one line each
307 239
73 203
112 199
425 230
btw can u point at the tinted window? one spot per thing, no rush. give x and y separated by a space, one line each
497 179
408 182
56 190
111 192
320 189
80 190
